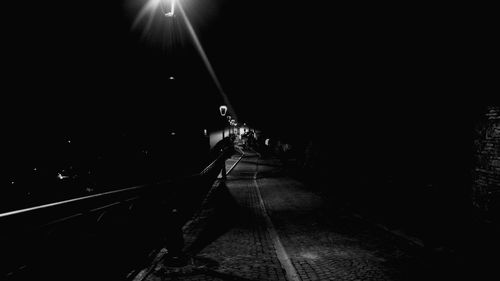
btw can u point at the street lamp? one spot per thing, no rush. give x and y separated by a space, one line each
232 124
172 9
223 111
229 122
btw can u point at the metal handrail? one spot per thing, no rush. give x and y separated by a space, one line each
78 199
213 163
101 195
50 218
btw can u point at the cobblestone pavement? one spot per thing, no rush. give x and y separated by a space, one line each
230 239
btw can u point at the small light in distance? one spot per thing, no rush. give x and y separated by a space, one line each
61 177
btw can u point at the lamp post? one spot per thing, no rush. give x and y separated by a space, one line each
229 121
223 111
171 13
233 126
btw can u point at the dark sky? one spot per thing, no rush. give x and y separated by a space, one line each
284 64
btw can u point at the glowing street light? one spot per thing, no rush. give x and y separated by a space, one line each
172 9
233 124
229 118
223 110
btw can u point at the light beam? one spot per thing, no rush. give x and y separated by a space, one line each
153 7
205 59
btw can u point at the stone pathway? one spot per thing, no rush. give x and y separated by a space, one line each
233 236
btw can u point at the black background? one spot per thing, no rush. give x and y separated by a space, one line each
287 66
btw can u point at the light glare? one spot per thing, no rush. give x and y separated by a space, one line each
168 8
172 9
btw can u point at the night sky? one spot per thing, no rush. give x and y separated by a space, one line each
285 65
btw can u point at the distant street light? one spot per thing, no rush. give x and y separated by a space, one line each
223 111
229 118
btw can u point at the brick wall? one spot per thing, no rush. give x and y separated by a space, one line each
486 174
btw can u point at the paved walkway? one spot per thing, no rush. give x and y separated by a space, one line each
263 225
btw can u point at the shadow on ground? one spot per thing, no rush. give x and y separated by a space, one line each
224 213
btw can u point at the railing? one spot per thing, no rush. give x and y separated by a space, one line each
135 212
